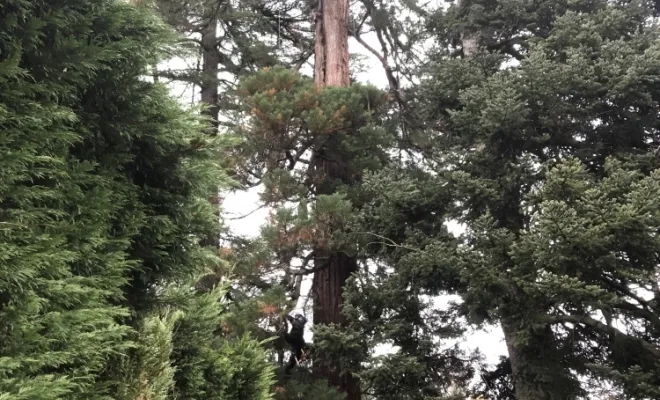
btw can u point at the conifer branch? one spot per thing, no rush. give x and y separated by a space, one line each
587 320
390 243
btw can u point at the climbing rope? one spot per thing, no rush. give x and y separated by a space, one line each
279 28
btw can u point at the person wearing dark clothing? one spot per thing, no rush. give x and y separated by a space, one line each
296 339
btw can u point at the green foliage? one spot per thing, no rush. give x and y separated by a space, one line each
149 374
212 365
581 81
104 190
309 147
592 246
250 35
304 386
289 117
65 259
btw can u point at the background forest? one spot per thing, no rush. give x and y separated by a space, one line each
504 176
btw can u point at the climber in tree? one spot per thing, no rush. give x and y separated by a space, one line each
295 339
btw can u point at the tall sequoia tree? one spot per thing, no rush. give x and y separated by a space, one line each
332 269
311 146
285 20
300 141
308 142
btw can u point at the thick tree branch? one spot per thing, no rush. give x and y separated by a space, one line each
391 79
590 322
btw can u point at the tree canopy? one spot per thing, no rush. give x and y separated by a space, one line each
506 175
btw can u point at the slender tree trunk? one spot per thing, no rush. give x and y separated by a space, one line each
210 61
209 96
331 69
470 43
469 39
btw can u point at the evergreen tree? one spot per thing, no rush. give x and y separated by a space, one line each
104 189
210 363
64 252
542 81
591 251
249 29
394 303
232 39
289 119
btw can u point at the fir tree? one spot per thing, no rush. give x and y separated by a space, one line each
579 80
592 248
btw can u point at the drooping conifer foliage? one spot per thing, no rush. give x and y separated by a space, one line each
104 186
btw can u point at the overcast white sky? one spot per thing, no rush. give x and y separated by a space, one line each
489 341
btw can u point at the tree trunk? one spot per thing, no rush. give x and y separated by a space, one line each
210 61
538 371
331 47
469 38
470 43
209 96
331 69
328 288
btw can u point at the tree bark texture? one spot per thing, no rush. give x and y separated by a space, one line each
331 170
328 287
331 46
331 69
209 96
210 61
537 369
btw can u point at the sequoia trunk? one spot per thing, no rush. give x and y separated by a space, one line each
331 48
327 288
331 69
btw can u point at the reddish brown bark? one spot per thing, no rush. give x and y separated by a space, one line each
331 69
331 48
328 287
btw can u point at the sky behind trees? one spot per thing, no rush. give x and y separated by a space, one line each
244 216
